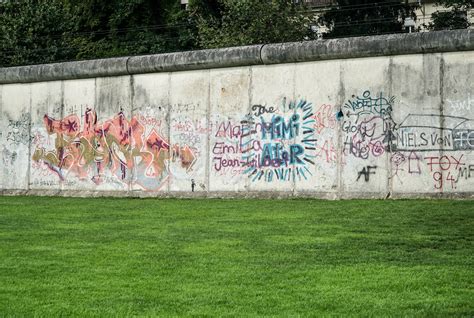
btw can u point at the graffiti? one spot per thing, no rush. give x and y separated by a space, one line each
227 150
184 155
39 169
397 159
370 131
434 133
465 172
442 168
268 144
44 183
117 146
148 120
280 146
463 139
325 126
185 108
328 152
370 105
368 126
225 163
8 157
367 140
188 126
260 110
325 118
223 152
444 162
189 132
440 178
400 161
414 166
229 130
366 172
19 130
290 141
461 105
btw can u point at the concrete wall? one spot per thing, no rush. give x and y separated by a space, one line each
321 124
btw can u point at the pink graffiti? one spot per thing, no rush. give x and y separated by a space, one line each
117 145
325 118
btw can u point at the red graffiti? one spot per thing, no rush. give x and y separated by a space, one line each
325 118
441 167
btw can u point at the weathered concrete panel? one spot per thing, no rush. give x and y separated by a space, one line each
229 105
366 112
47 168
455 168
319 84
416 87
15 120
81 142
113 138
151 150
273 128
87 133
78 95
189 105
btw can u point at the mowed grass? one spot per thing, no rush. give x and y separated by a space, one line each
146 257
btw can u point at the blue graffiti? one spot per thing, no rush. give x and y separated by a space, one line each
286 143
277 129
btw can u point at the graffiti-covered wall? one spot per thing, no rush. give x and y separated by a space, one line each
386 126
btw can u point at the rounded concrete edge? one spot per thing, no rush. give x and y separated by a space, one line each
393 44
64 71
383 45
192 60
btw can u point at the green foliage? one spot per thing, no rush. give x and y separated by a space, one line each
120 27
42 31
32 31
223 23
112 257
365 17
459 4
449 20
454 18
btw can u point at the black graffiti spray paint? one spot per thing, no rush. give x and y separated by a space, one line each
366 172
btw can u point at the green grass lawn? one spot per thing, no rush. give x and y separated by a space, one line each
109 257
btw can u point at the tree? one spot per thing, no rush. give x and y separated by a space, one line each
365 17
123 27
224 23
32 31
454 18
43 31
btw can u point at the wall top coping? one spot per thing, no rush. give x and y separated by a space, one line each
343 48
